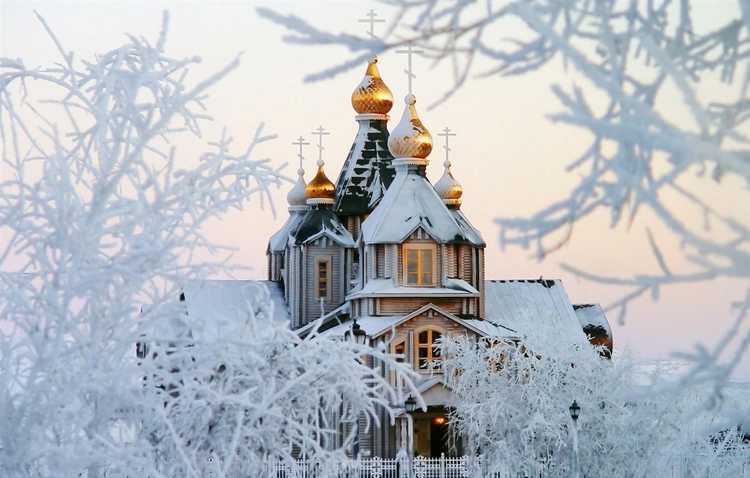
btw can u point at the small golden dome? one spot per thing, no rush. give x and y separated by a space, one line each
449 190
410 138
320 187
372 95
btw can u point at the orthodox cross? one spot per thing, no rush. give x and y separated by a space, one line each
371 19
300 142
320 132
409 52
447 133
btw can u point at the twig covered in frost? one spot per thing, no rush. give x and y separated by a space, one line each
634 53
103 217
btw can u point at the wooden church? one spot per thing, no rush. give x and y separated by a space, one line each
394 253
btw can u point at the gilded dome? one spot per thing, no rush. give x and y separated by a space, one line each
320 188
372 95
296 195
410 138
449 190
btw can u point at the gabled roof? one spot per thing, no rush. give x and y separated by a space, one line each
279 240
367 171
411 202
221 308
379 325
533 308
321 221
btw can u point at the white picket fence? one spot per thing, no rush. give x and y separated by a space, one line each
470 467
418 467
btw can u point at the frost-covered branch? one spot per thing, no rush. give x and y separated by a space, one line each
635 55
101 220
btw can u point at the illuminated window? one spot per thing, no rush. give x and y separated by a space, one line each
426 351
418 262
323 278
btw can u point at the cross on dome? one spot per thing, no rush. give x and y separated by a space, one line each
301 143
320 132
372 20
320 190
447 187
409 52
447 133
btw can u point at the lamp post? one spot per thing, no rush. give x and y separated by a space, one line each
410 405
575 412
360 336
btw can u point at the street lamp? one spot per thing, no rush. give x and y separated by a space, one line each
575 412
410 404
360 336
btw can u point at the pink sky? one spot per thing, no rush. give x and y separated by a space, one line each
508 156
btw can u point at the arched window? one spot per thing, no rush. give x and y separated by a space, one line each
426 351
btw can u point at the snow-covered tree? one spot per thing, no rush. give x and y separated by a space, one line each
100 219
630 59
514 404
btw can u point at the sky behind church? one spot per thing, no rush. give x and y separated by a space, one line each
510 158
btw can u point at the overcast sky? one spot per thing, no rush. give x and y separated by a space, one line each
509 157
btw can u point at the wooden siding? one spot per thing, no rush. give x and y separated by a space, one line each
405 305
311 302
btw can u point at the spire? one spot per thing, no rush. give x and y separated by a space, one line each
296 196
320 190
449 190
372 96
410 138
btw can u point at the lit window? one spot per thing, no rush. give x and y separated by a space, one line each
418 264
426 351
323 277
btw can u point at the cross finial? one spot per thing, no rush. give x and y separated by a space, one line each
320 132
300 142
371 19
447 133
410 51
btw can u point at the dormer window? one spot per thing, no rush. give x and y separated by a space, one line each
419 264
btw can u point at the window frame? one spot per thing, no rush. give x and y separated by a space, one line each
430 346
328 260
420 271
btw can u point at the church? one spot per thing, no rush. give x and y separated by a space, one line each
388 255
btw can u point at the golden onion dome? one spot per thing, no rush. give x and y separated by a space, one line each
448 188
410 138
296 195
372 95
320 189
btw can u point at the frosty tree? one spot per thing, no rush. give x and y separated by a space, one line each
513 403
634 53
101 218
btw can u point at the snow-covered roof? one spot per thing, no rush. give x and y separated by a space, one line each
321 221
411 202
389 288
532 308
374 326
279 240
221 308
594 323
367 171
